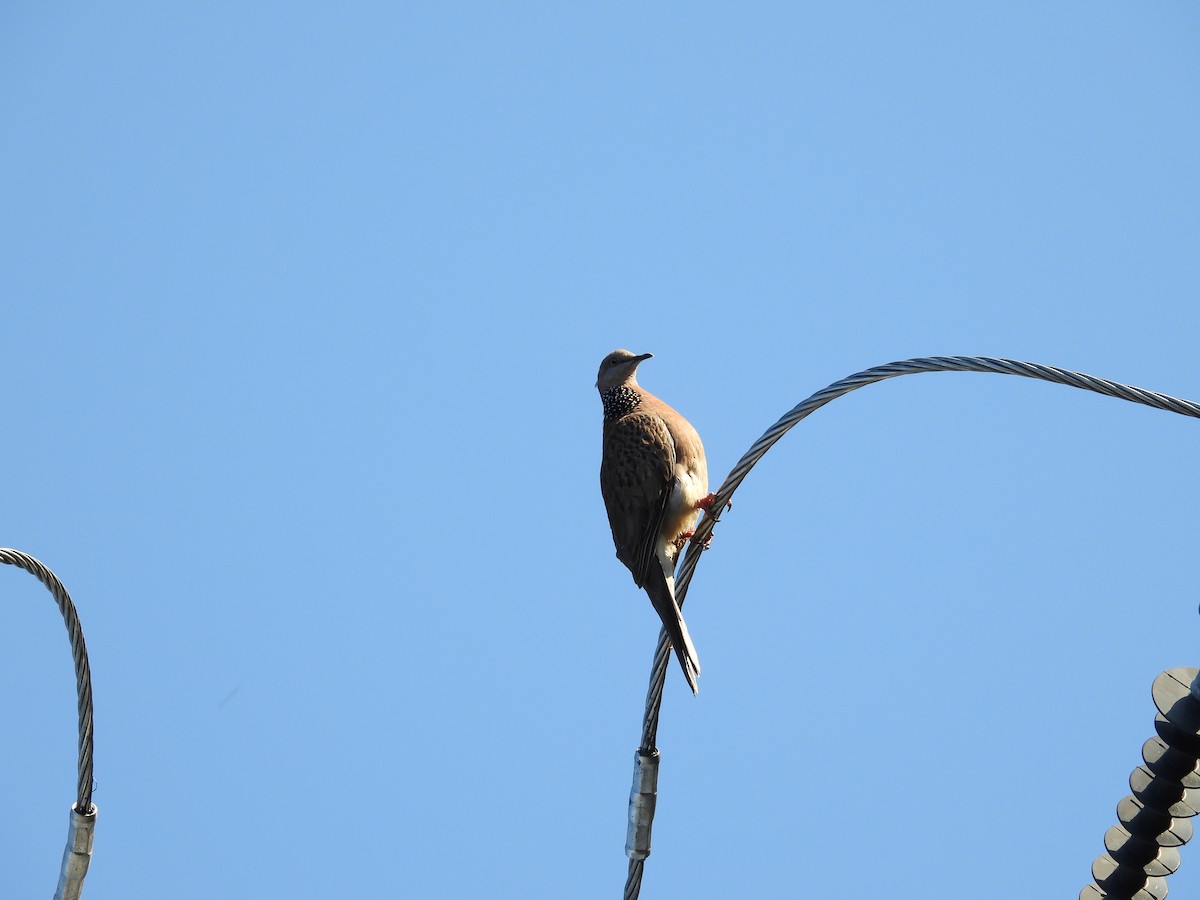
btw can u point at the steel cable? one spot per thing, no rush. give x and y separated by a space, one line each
687 567
83 672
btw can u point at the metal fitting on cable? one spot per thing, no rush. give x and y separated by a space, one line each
1156 819
642 797
77 855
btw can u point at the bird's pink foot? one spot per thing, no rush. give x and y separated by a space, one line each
690 536
706 503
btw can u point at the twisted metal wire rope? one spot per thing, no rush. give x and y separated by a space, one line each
83 671
984 364
633 882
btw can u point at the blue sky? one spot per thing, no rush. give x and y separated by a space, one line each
302 310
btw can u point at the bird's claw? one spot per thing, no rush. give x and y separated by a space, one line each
691 536
706 503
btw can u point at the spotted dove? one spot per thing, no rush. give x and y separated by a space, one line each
654 480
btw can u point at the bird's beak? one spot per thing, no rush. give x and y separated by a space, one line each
643 356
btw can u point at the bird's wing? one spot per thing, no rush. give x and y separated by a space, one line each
636 474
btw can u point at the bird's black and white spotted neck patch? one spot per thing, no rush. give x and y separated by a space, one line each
618 401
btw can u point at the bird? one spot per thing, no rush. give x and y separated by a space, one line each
654 480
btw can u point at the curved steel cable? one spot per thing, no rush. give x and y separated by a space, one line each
658 671
83 672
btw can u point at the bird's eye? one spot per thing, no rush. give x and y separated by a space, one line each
613 362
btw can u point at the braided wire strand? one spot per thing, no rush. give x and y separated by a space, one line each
984 364
83 671
633 883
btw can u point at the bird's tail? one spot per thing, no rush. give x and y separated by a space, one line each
661 588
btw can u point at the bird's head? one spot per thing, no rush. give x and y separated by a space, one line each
618 368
